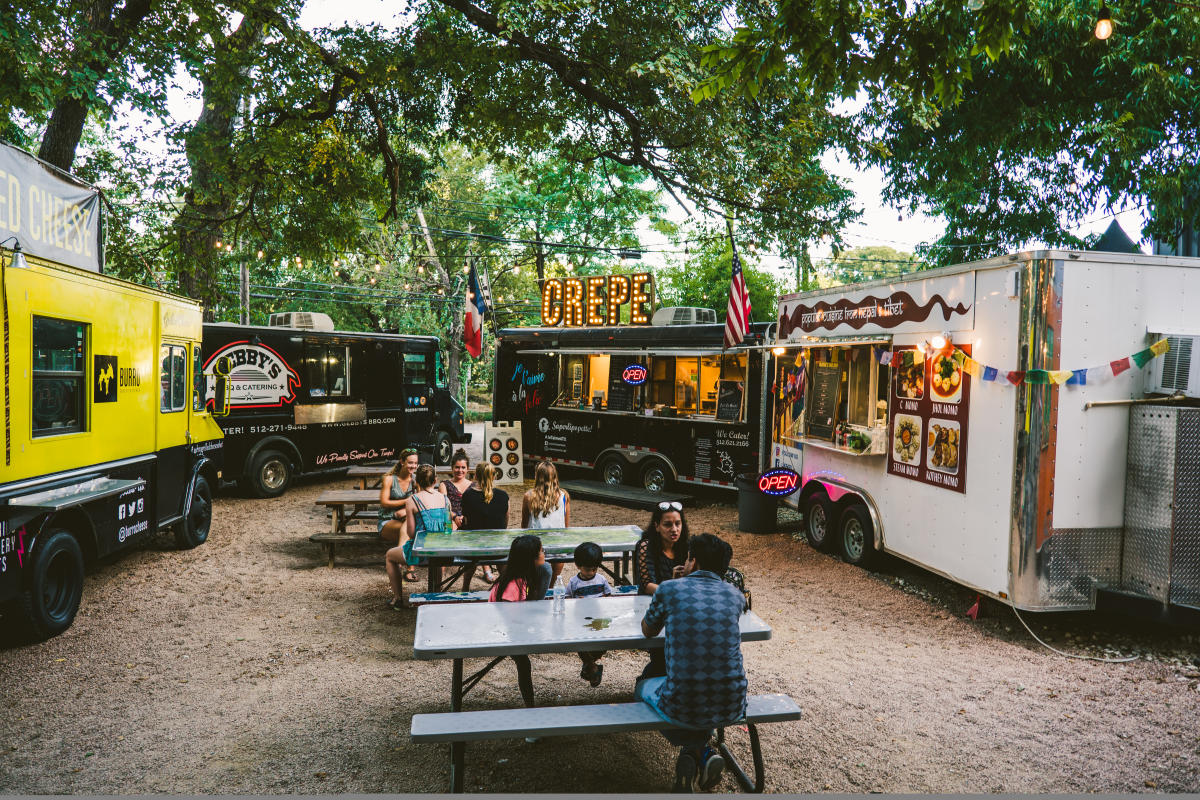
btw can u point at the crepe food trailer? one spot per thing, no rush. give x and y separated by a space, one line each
1024 425
633 402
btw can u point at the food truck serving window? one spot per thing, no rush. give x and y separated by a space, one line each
58 376
827 392
326 370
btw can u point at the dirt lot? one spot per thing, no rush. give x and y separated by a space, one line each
248 666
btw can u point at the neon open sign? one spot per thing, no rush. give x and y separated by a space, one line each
634 375
779 482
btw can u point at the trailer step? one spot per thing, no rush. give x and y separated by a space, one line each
627 496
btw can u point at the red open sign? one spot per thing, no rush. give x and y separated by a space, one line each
779 482
634 374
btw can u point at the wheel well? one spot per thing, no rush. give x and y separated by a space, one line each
811 488
76 522
850 500
284 445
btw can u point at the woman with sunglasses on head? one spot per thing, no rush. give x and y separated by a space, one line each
659 556
458 483
398 486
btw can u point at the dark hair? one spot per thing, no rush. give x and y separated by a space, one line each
426 476
522 555
588 555
459 455
654 541
711 553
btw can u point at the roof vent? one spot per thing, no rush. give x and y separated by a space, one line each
305 320
684 315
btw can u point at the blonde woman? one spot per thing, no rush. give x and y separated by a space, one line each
398 486
484 507
546 505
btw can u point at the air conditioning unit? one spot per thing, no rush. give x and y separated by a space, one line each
684 315
306 320
1178 370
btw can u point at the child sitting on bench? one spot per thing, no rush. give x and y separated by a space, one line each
589 583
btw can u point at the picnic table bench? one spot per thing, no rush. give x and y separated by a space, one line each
329 541
346 505
370 476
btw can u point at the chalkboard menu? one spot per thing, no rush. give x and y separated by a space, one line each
823 403
620 393
729 400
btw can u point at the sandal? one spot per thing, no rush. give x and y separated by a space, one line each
410 575
397 604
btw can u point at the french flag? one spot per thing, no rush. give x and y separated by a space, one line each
473 317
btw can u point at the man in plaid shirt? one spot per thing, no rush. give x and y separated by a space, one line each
705 684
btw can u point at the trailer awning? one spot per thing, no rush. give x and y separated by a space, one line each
833 341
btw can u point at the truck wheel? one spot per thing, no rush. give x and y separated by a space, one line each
613 469
271 474
656 476
53 588
818 519
443 449
193 529
857 536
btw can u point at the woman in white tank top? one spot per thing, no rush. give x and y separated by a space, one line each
546 505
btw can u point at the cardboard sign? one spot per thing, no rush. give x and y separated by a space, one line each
504 450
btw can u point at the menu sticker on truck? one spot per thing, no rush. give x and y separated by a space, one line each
929 417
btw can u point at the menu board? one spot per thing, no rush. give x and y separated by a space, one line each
930 406
729 400
823 405
620 393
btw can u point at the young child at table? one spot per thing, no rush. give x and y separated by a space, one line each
589 583
521 580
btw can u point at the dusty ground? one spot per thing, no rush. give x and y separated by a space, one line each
248 666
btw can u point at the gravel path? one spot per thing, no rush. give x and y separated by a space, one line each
248 666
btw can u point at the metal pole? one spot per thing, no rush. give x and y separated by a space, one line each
244 295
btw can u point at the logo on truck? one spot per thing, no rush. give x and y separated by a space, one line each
251 376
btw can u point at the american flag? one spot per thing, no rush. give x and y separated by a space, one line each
737 316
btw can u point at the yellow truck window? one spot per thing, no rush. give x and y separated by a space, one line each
58 376
173 380
198 380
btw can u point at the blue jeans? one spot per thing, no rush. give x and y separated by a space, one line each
647 690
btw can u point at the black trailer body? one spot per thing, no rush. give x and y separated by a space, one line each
295 400
638 405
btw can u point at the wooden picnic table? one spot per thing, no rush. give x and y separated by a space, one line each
348 504
471 548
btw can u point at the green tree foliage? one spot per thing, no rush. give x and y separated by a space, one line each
867 264
702 278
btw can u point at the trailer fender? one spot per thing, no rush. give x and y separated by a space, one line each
77 522
203 466
281 443
636 455
841 492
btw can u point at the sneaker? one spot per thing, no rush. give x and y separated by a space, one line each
711 767
597 674
685 772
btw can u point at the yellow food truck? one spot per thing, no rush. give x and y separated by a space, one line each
105 438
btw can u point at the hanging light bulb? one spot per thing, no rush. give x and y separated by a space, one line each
974 5
219 245
337 263
298 261
260 253
372 280
420 270
1104 24
377 267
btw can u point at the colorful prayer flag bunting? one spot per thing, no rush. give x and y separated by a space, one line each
972 367
1037 376
1120 365
990 373
1078 377
1160 347
1016 378
1142 357
1060 376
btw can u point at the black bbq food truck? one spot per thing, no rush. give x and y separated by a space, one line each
641 404
106 439
298 396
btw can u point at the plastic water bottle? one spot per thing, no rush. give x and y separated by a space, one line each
560 596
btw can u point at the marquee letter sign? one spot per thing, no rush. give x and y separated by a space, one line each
596 300
779 482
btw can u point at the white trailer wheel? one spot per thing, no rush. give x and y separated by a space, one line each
857 536
818 519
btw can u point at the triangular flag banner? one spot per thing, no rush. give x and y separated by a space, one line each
958 357
1016 378
1037 376
1160 347
1120 365
1142 357
990 373
1078 377
918 356
1060 376
972 367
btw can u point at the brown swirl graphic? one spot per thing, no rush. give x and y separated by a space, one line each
886 312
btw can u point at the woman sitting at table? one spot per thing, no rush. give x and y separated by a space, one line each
484 507
546 505
397 486
428 512
660 556
458 483
521 574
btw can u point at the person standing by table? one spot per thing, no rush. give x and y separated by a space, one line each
705 684
428 511
546 505
484 507
398 485
658 557
521 573
458 483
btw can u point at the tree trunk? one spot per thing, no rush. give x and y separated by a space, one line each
65 127
454 332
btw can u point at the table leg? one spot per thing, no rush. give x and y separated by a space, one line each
435 577
336 515
457 749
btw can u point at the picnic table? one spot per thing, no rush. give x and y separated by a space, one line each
498 630
349 504
467 549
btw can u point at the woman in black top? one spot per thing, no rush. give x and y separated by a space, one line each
484 507
660 553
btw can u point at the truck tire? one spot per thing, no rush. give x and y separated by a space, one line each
53 586
270 474
818 521
613 470
856 536
443 449
656 476
192 530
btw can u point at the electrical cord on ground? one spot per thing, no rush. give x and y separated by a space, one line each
1071 655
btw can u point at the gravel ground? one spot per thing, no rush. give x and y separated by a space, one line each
248 666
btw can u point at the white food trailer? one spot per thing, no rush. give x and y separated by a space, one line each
975 420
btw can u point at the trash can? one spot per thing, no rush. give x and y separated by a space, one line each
756 511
